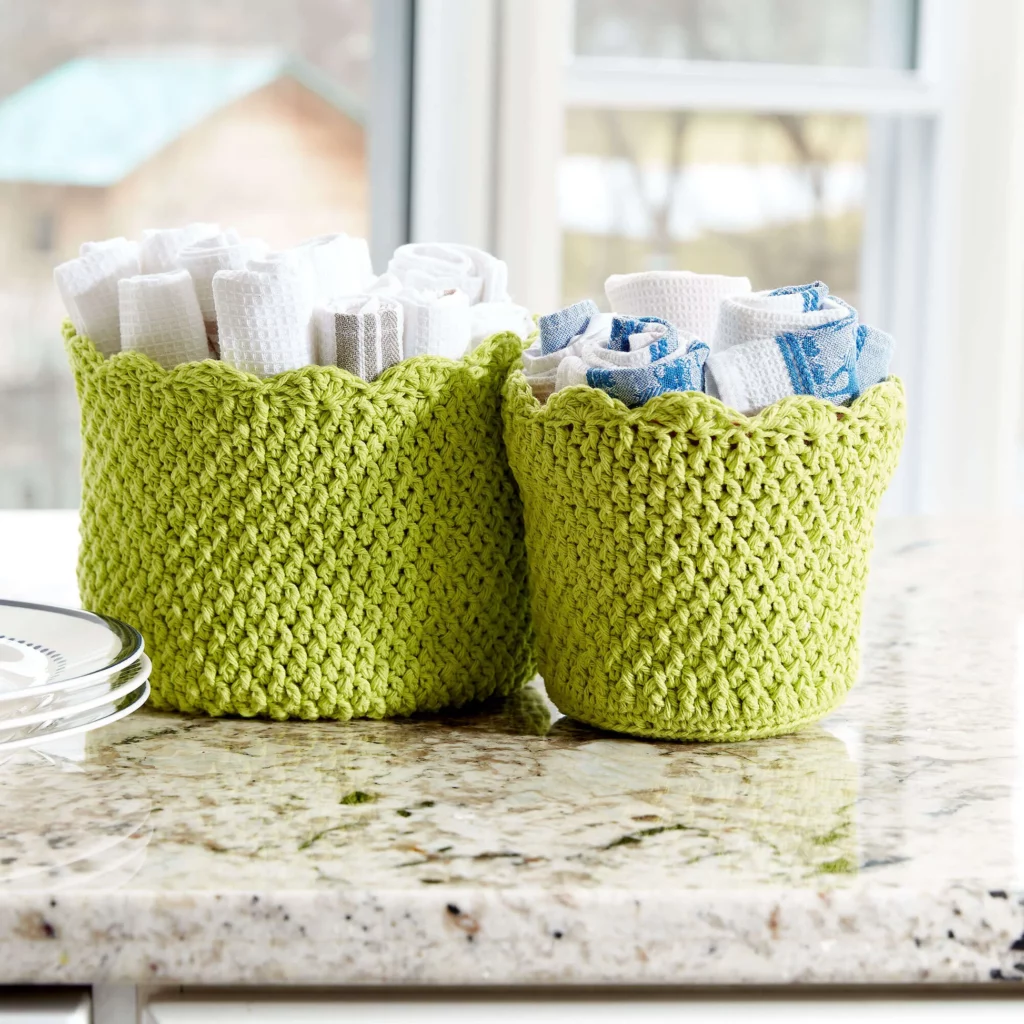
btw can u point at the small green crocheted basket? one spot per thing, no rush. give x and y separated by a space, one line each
309 545
697 574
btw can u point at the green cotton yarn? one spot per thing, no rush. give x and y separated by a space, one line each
697 574
309 545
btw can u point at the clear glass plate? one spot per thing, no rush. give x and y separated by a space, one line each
42 733
45 650
109 689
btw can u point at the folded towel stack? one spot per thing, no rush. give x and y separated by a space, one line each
267 311
747 348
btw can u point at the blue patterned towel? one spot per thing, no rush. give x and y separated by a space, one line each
798 340
558 329
642 358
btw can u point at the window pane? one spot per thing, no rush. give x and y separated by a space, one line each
778 198
851 33
115 117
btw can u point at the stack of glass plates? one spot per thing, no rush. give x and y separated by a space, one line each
64 672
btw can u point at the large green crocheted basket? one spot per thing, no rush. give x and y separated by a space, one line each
695 573
308 545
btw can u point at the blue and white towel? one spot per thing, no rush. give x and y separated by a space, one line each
558 329
797 340
643 357
631 358
541 368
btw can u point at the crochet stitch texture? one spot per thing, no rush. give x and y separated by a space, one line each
309 545
697 574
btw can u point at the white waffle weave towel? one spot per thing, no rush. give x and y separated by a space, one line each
689 301
361 334
438 266
436 322
264 316
88 288
204 258
160 316
160 246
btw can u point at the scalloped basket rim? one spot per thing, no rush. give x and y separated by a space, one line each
402 378
570 406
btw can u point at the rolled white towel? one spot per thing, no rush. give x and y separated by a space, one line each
489 318
339 264
264 315
436 322
160 246
88 288
688 300
160 316
204 258
360 333
443 265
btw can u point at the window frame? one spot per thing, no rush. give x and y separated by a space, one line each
947 148
903 108
390 126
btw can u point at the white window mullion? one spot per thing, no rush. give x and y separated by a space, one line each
390 122
534 42
631 84
455 81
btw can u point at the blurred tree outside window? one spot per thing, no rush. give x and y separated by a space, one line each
777 196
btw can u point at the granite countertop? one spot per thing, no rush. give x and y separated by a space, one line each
509 845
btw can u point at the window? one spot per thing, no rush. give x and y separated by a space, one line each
153 114
774 139
778 197
840 33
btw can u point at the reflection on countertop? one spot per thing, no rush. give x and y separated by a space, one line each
506 844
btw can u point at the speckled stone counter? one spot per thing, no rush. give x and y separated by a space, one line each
508 845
